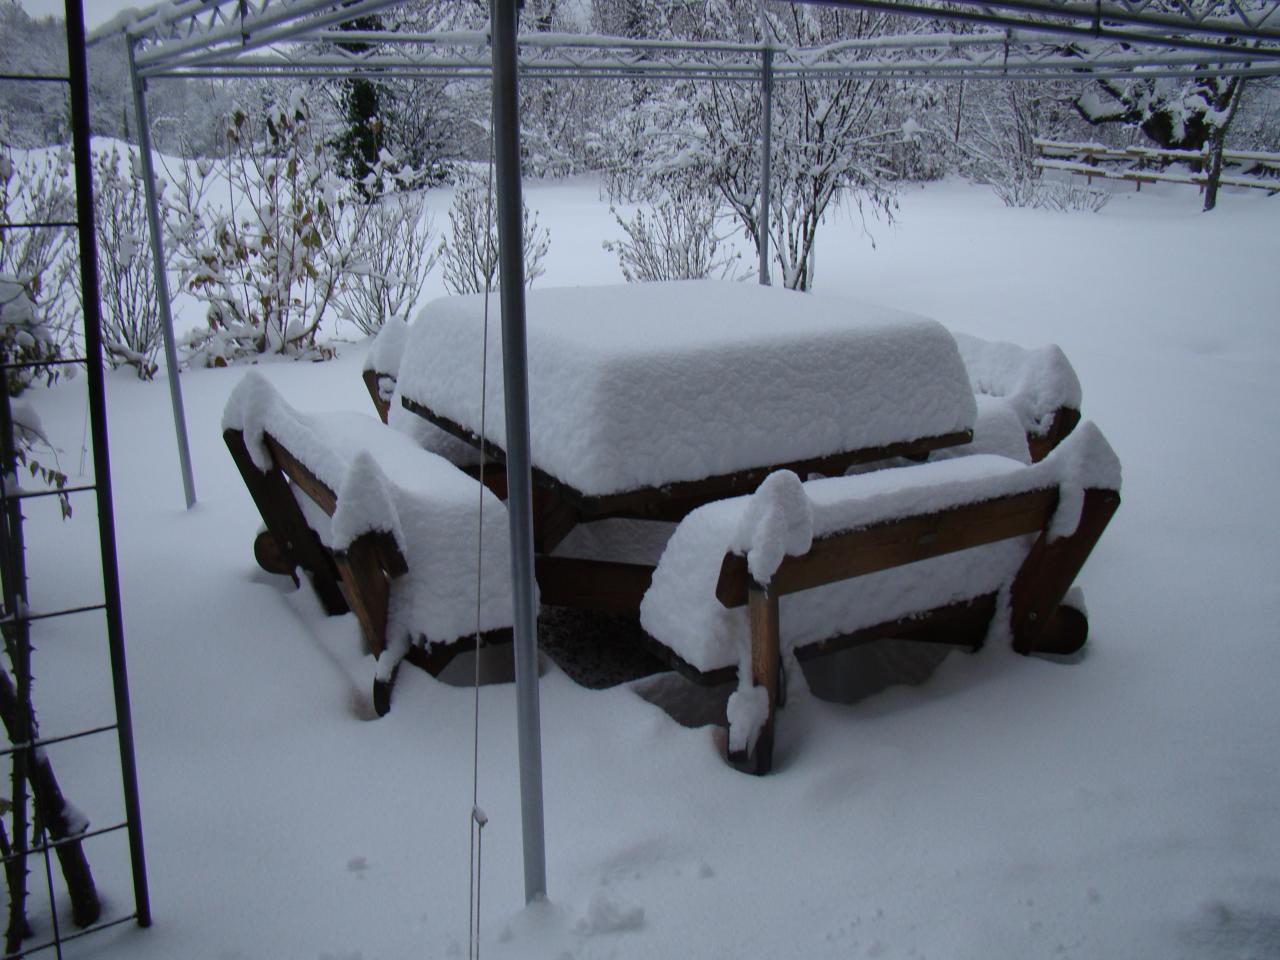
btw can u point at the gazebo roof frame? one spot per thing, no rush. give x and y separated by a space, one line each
1021 39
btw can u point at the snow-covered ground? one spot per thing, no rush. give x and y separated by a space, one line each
1121 806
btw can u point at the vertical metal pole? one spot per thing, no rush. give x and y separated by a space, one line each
766 158
101 456
162 278
510 207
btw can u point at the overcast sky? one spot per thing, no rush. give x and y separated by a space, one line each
96 12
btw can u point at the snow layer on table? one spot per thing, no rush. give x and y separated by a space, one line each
640 385
386 482
1036 382
680 608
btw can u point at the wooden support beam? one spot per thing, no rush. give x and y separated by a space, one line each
372 380
762 616
962 624
894 543
288 527
367 568
1047 574
1063 421
553 520
435 657
300 474
592 584
675 500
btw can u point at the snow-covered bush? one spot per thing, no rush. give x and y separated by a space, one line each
830 137
998 147
36 263
470 252
269 266
397 253
131 327
676 241
24 338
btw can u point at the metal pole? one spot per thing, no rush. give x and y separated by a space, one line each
510 207
162 278
766 158
101 455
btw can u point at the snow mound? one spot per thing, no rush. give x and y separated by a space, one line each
609 913
777 521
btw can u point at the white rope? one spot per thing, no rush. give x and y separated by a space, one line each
478 818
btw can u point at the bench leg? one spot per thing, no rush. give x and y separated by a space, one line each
1039 623
762 615
367 568
296 541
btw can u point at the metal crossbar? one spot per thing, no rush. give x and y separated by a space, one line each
49 741
1025 39
68 937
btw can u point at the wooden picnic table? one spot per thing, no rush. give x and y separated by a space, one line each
648 400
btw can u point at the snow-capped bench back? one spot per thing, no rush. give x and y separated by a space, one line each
379 523
381 378
1038 384
872 553
642 386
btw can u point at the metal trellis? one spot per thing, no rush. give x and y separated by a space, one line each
55 832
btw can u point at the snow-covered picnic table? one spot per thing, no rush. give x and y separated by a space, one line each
640 387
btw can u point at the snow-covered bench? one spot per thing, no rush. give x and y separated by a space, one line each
948 551
383 528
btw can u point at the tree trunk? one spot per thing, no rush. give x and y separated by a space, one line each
1217 141
51 809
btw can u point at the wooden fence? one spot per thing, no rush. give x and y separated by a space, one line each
1152 165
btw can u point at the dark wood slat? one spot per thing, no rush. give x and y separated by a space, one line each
1050 568
371 378
1063 421
606 586
762 617
962 624
434 657
299 473
367 568
673 501
283 518
553 520
894 543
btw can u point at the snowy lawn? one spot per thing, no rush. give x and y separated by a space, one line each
1121 806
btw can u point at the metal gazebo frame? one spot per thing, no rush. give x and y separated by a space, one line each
1016 39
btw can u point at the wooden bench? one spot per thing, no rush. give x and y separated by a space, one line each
941 553
319 485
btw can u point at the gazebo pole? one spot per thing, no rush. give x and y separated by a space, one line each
162 278
766 154
510 208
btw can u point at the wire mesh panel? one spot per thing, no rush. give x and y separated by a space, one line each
72 803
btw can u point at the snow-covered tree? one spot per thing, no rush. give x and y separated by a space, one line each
397 252
37 262
677 240
130 305
270 265
830 137
470 252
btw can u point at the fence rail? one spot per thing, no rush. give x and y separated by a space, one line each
1141 165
